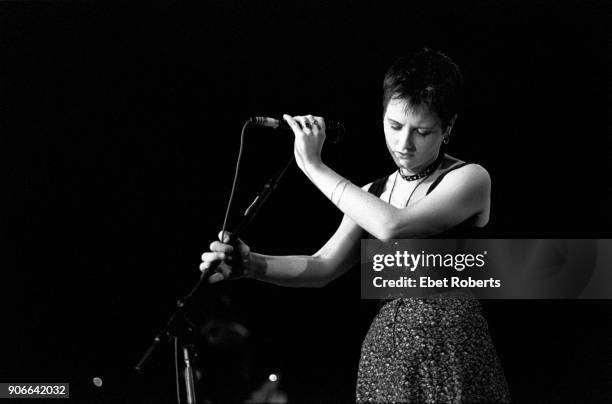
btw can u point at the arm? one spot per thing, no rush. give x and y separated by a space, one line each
337 255
463 193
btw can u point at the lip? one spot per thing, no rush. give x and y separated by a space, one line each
404 155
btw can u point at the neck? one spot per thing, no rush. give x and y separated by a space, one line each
416 170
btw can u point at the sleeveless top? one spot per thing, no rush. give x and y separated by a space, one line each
463 230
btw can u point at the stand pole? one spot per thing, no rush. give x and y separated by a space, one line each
188 375
178 325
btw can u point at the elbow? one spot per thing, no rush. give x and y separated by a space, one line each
322 274
385 235
323 282
386 231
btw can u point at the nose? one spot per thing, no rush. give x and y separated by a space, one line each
405 140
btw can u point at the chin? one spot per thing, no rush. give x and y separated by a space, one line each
408 164
409 167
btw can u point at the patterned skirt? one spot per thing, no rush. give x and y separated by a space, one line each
435 350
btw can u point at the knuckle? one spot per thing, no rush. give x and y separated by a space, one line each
224 235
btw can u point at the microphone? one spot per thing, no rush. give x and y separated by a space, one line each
334 130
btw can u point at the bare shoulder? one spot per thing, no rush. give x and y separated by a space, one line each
470 175
469 185
478 172
474 170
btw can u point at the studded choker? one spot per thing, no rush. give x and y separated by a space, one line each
424 173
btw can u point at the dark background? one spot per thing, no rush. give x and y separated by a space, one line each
120 128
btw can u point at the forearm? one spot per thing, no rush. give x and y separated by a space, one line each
375 216
292 271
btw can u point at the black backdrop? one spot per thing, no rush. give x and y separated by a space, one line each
120 128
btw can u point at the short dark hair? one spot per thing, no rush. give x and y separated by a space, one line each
425 78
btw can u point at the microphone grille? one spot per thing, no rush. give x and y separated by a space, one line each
265 121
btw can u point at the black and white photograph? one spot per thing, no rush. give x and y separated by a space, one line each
306 201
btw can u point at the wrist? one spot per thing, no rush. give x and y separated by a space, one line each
255 266
314 165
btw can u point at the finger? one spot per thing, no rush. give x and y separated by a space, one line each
306 127
313 124
224 236
209 265
292 121
304 122
213 256
243 248
218 246
224 270
309 121
295 126
218 266
320 122
299 120
216 277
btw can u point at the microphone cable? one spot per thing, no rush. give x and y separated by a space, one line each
231 198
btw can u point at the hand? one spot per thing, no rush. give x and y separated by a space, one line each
228 262
309 138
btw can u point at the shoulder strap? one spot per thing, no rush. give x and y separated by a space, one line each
441 176
378 186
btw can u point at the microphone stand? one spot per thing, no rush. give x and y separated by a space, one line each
179 327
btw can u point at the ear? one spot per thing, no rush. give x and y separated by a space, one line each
449 127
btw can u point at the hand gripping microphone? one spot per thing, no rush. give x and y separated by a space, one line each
334 130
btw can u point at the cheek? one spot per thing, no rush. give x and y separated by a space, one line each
388 137
421 144
431 142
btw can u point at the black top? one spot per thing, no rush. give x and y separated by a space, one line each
463 230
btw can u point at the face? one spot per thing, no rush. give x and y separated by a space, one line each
413 135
